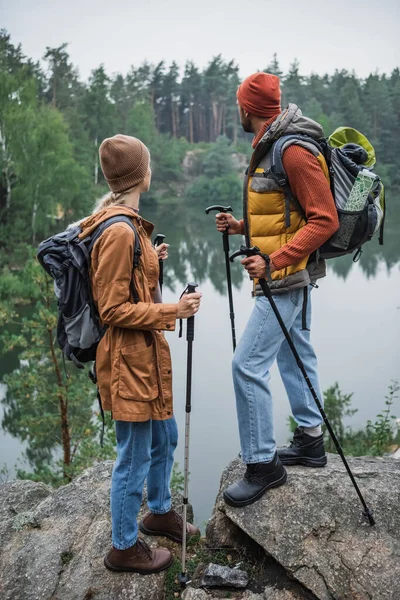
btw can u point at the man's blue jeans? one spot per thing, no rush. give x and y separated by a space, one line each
144 450
261 343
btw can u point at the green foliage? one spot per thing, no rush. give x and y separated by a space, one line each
172 586
177 479
218 183
376 439
219 190
337 407
217 162
381 432
52 411
4 473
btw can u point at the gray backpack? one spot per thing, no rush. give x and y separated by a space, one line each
66 259
358 192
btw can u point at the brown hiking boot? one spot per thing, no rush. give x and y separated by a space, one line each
140 558
169 525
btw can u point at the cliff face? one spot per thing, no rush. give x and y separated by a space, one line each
313 527
52 543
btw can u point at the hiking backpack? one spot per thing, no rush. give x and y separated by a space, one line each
66 259
358 192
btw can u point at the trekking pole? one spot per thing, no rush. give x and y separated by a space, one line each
183 577
255 251
225 242
160 237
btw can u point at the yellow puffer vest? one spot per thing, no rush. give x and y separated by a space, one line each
265 210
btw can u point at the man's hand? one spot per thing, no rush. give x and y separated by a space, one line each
227 222
162 251
257 267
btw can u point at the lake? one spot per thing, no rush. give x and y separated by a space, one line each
355 331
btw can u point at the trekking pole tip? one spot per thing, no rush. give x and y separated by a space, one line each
183 579
368 516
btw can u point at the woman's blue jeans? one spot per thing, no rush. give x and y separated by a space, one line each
144 451
261 343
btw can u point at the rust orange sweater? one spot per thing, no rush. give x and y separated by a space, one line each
311 188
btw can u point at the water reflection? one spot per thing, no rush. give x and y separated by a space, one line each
196 246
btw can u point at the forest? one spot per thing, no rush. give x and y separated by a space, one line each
52 123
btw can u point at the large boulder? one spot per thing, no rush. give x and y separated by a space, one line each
52 543
313 527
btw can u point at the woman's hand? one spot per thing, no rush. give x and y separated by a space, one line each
188 305
227 222
162 251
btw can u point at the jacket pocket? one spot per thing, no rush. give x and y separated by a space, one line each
138 378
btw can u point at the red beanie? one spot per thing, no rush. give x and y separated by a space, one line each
260 95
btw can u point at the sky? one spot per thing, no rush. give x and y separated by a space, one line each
355 35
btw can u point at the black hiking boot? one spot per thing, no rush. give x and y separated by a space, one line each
304 450
259 477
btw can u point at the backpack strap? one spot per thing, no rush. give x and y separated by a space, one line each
137 250
278 172
382 226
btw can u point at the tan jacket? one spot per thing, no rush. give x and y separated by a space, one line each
133 360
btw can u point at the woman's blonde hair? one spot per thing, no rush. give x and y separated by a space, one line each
110 199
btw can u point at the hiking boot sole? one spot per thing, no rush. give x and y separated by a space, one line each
240 503
116 569
305 461
151 532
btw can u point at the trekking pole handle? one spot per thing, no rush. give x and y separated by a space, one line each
253 251
159 239
219 208
191 288
245 251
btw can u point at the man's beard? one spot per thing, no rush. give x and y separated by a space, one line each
246 124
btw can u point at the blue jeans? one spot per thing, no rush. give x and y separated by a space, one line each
261 343
144 450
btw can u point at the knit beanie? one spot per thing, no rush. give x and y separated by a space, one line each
260 95
124 161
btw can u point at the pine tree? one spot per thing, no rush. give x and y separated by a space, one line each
293 86
100 113
274 67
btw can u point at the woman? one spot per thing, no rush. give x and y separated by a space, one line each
133 362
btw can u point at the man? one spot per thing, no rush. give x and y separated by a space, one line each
291 240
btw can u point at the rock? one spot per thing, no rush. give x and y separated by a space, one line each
396 455
312 526
240 161
252 596
16 498
275 594
220 531
53 542
220 576
269 594
196 594
191 164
